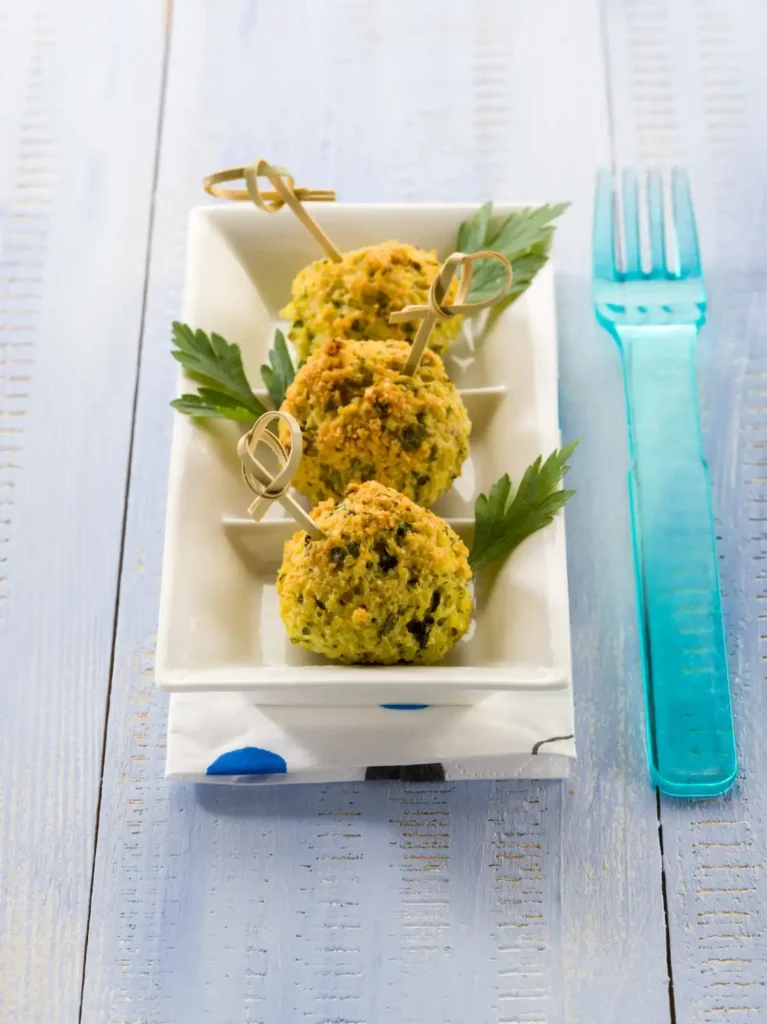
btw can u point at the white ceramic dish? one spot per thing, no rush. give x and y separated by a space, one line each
219 618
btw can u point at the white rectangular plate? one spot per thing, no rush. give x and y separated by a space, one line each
219 617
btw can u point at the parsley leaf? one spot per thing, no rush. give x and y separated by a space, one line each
279 376
472 233
525 269
217 365
501 525
523 228
524 238
209 403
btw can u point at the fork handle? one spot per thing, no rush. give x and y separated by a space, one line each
690 734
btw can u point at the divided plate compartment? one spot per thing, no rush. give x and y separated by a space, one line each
220 627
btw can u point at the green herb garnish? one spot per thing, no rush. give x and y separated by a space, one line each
209 403
279 376
524 238
502 524
218 366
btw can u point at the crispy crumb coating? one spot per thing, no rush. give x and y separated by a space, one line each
353 298
363 419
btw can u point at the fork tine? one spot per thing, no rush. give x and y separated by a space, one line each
603 242
630 201
655 212
684 222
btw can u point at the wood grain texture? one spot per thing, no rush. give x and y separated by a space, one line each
78 114
499 902
690 85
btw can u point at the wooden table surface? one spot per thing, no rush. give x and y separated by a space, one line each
127 900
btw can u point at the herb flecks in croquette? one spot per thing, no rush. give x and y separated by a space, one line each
420 629
412 436
402 531
387 625
337 555
386 560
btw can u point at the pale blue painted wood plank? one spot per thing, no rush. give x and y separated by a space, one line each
78 119
613 928
690 85
376 903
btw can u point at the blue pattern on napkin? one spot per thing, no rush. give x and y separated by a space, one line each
248 761
404 707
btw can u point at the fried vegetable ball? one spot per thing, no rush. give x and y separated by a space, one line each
353 298
389 583
363 419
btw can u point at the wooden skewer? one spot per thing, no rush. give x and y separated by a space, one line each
285 194
433 310
265 485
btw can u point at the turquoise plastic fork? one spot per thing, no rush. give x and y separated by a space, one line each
654 315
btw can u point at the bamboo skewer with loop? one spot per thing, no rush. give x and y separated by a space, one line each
433 310
266 486
285 194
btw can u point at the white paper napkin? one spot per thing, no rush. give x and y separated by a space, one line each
225 737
